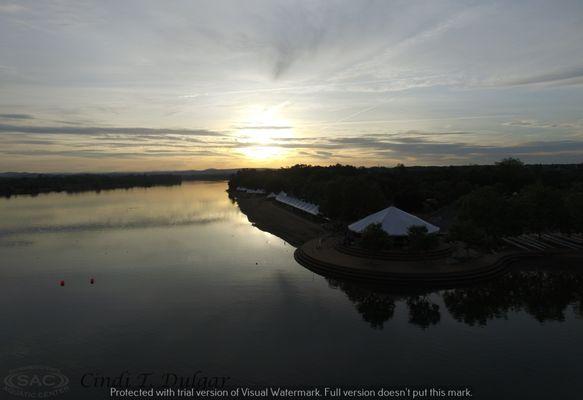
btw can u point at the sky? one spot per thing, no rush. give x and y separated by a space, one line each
174 85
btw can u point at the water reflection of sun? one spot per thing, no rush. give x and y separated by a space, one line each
260 132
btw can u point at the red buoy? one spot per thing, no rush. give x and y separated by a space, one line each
92 281
62 283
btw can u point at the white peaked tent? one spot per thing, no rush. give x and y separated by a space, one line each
393 221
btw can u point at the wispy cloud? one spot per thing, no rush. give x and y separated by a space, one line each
83 130
425 146
260 127
531 123
372 80
563 76
108 154
11 8
16 116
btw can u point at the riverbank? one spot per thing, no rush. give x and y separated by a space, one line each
325 254
270 217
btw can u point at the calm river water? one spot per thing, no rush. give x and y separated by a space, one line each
184 283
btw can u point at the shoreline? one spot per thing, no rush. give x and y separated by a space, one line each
270 217
324 258
320 252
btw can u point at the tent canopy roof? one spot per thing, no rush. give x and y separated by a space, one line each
394 221
310 208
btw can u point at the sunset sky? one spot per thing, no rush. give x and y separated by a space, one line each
166 85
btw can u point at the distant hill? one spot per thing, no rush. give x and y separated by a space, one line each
210 172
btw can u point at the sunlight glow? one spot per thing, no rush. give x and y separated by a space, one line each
263 153
261 129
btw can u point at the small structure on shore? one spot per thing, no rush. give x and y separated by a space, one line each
393 221
310 208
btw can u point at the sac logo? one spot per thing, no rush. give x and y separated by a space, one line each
36 382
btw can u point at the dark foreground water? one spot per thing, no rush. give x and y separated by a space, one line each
184 283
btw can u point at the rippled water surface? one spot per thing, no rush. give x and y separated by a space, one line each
184 283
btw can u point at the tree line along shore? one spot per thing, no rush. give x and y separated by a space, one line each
34 184
482 203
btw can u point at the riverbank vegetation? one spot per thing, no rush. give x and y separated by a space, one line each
34 185
489 201
12 184
374 238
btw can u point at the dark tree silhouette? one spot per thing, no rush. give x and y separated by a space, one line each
422 312
508 198
82 183
374 238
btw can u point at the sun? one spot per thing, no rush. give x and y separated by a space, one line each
262 153
261 131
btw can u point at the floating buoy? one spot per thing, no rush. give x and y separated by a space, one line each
92 281
62 283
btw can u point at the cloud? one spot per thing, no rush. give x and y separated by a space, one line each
11 8
414 146
259 127
426 149
16 116
565 76
531 123
96 153
324 155
314 155
468 152
446 72
95 131
419 133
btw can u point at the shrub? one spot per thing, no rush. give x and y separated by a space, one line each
374 238
420 239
